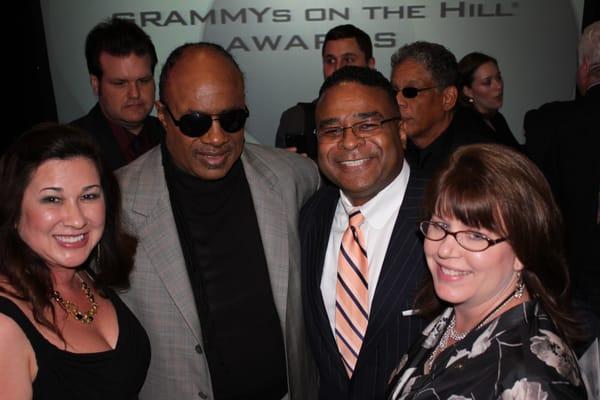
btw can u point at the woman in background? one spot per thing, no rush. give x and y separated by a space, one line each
64 333
481 92
498 284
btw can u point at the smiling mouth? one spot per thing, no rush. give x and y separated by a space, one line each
209 155
354 163
70 238
453 272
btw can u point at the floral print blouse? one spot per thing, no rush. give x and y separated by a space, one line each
519 355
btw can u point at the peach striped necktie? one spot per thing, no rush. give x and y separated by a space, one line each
352 293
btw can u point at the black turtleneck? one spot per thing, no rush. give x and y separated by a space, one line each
224 255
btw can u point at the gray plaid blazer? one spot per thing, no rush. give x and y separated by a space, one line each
161 295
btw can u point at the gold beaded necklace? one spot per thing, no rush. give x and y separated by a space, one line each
72 309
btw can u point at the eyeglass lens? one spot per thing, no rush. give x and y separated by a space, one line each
411 92
469 240
361 129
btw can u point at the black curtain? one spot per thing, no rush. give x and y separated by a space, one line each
591 12
32 100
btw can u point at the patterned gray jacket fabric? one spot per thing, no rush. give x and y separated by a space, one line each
161 296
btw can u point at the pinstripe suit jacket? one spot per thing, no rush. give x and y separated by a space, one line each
161 295
389 334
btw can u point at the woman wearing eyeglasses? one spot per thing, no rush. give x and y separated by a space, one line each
497 284
481 96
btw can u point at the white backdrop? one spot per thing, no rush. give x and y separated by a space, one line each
277 43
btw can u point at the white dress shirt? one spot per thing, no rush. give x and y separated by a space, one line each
380 215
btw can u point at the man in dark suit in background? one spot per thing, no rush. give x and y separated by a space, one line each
563 139
343 45
354 299
121 59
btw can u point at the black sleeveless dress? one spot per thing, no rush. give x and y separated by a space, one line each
113 374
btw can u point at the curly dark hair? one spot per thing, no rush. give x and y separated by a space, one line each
24 269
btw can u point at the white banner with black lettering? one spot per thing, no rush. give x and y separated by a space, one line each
277 43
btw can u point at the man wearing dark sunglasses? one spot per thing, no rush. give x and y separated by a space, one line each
216 281
424 76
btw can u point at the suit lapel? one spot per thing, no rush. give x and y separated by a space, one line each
316 244
160 239
398 267
106 138
272 218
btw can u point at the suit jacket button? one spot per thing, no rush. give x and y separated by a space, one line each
199 351
202 395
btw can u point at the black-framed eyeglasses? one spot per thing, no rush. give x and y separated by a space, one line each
411 92
196 124
361 129
468 240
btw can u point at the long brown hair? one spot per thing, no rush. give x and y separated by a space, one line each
24 269
496 188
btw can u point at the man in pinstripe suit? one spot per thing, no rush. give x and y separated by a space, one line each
361 150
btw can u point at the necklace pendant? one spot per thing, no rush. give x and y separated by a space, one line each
72 309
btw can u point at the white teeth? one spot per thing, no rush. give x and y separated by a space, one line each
354 163
69 239
453 272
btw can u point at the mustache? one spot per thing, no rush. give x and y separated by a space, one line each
210 150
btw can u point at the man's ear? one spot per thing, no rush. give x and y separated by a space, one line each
449 97
95 83
402 133
160 113
583 73
371 63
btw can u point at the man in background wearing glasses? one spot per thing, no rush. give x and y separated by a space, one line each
362 259
424 75
216 281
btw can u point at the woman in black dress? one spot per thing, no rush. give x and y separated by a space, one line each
64 333
481 94
497 283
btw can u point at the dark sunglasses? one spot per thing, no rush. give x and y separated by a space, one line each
197 124
410 92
